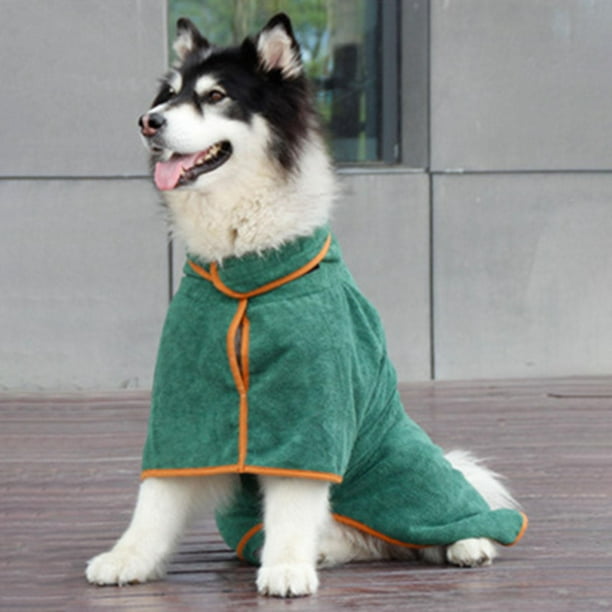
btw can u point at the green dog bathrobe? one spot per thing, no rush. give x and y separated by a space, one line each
276 364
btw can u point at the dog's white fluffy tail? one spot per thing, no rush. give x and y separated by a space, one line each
487 482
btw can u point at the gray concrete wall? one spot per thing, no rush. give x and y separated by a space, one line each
521 127
83 265
486 255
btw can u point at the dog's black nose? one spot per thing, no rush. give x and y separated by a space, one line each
150 123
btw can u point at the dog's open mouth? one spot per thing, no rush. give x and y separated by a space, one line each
181 170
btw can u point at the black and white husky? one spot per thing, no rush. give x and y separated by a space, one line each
237 153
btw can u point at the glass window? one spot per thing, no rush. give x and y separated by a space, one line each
350 52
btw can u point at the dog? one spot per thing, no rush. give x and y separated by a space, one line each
274 402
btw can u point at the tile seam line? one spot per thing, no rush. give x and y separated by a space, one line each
357 170
530 171
72 177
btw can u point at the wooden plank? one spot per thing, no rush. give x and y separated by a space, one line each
69 472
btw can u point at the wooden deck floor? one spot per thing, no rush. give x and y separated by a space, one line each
69 473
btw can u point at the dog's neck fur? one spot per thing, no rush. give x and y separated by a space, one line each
262 207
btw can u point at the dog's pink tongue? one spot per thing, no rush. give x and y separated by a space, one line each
168 173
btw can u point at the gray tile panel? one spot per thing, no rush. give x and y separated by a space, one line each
382 222
522 275
82 283
76 76
521 84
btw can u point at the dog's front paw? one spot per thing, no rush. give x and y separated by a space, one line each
121 567
287 580
473 552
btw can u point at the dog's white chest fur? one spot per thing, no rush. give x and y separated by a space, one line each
256 208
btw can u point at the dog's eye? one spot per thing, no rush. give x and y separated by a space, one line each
215 96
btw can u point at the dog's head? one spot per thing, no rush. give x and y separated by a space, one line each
223 106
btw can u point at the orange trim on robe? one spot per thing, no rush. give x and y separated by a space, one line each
242 469
345 520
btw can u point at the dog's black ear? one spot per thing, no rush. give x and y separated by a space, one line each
277 47
188 38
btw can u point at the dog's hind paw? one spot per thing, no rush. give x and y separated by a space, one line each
473 552
121 567
287 580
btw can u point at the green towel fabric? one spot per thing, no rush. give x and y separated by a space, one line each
294 380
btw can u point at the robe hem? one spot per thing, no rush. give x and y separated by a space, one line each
238 469
345 520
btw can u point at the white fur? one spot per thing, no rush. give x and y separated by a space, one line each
175 81
183 44
205 84
484 480
294 513
187 132
250 204
473 552
276 52
164 508
187 41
